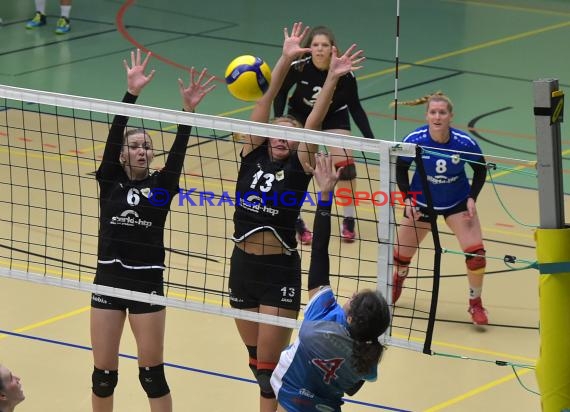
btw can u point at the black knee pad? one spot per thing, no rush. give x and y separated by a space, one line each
264 381
348 172
104 382
153 381
252 351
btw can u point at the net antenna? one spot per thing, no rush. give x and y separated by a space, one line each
51 145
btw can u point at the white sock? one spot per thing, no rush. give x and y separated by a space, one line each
65 11
403 271
474 293
41 6
349 211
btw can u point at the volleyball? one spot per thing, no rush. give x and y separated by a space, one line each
248 77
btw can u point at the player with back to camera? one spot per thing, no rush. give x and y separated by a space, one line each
308 75
131 256
337 348
453 197
265 273
11 392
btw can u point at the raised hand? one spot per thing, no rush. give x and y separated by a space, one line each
325 173
349 61
196 90
136 78
292 43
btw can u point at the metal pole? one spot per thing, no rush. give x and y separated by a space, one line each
548 105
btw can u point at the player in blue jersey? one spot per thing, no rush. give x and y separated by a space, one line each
130 253
308 75
337 349
265 271
447 152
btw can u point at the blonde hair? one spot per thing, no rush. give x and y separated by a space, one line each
240 137
438 96
287 119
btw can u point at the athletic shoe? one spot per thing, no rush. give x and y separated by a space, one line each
38 20
304 235
347 232
397 286
62 25
478 312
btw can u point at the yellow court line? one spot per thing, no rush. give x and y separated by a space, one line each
496 355
509 7
470 49
58 157
74 276
508 233
49 321
476 391
243 109
434 58
508 172
533 164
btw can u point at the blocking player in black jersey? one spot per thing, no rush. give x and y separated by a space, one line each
265 274
131 249
308 74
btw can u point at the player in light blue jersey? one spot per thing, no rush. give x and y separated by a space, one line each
337 349
446 152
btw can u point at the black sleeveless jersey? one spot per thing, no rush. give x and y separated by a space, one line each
309 81
269 196
131 227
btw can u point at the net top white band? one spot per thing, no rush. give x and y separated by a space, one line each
206 121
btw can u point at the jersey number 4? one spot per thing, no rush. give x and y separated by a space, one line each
329 367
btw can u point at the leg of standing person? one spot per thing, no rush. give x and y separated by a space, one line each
63 25
39 18
304 235
148 329
469 235
106 330
265 343
409 236
347 182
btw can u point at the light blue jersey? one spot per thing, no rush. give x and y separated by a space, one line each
315 371
444 165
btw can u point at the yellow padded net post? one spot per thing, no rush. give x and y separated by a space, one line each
553 366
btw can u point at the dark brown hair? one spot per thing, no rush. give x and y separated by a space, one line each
370 317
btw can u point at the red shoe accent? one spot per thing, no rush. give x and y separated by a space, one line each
348 233
397 286
306 238
478 312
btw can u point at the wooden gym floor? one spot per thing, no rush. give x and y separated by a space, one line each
472 50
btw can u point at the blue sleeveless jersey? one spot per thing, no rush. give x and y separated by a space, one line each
444 165
314 373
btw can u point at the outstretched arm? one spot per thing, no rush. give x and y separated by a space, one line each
262 109
357 111
280 100
339 67
136 81
198 87
326 177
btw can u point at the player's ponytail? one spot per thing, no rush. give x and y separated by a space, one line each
438 96
369 318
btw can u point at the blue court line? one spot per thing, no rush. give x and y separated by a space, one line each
176 366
